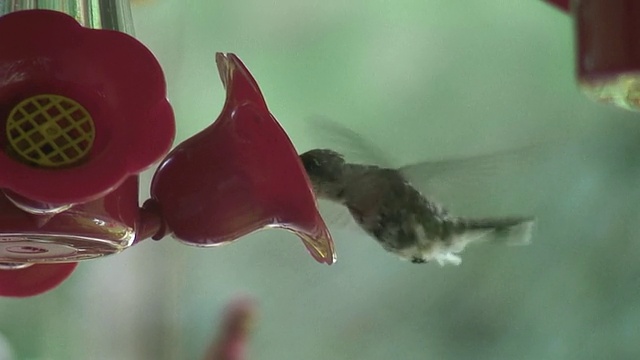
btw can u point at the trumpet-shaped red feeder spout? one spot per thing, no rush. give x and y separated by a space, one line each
239 175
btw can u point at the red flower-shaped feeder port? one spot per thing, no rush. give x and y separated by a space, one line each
84 109
84 112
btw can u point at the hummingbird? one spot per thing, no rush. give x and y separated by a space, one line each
404 221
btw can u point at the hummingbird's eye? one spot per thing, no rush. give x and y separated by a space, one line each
311 163
323 164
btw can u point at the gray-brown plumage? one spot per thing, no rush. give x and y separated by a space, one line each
397 215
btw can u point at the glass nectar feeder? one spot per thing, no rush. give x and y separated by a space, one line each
83 111
607 34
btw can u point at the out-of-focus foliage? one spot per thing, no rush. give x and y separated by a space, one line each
423 79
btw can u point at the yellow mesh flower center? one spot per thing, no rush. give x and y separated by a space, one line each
50 131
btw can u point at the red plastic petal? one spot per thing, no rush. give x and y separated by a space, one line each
239 175
563 5
34 280
112 75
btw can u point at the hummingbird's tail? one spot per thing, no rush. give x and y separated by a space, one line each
508 230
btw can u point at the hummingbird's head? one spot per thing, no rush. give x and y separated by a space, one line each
325 169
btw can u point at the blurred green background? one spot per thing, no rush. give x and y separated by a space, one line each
424 80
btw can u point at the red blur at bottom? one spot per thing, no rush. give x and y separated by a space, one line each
34 280
231 342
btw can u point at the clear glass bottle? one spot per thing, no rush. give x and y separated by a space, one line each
96 14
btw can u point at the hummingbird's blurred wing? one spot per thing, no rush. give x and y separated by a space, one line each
353 146
460 183
475 183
